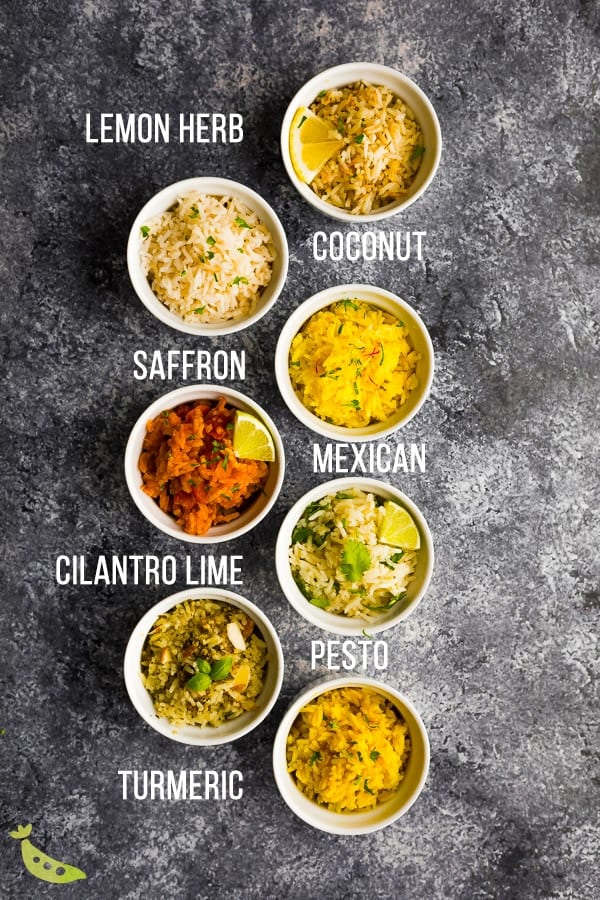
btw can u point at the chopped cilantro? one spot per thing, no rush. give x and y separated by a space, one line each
300 534
194 213
210 241
355 560
321 93
367 635
321 602
239 279
359 138
199 310
341 126
417 152
374 754
241 223
396 557
215 276
382 354
360 756
145 231
210 254
315 757
367 788
183 273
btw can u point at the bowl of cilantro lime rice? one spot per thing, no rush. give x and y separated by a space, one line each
354 362
207 256
354 555
204 666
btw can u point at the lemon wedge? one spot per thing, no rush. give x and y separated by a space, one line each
312 142
398 528
251 438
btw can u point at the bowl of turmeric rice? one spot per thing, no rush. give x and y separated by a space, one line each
361 142
351 755
204 464
354 362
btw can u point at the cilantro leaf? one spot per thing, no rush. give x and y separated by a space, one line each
355 560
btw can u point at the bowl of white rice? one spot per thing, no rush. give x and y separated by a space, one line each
337 570
389 139
207 256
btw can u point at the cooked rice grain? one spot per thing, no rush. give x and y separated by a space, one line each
197 629
348 749
317 556
382 147
207 258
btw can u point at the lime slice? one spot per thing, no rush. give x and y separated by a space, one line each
312 142
398 528
251 438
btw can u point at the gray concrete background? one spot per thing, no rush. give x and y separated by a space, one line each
500 657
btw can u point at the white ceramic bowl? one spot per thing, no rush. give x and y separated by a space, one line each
390 303
203 736
359 822
407 90
343 624
252 515
218 187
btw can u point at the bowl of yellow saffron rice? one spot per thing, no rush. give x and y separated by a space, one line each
351 755
354 362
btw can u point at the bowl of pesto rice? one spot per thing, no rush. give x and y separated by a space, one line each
354 362
204 666
207 256
361 142
351 755
354 555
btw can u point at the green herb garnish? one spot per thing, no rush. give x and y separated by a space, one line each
194 213
221 668
359 138
396 557
241 222
367 635
145 231
215 276
367 788
355 560
302 121
203 666
341 126
374 754
211 241
210 254
199 682
239 279
183 273
417 152
199 310
344 495
382 354
321 93
315 757
321 602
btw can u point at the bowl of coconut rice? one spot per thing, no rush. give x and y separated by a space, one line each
361 142
207 256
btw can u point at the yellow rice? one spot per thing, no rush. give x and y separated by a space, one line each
381 152
352 364
348 749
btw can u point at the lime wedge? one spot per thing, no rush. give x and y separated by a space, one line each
398 528
251 438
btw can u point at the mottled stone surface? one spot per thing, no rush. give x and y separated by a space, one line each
501 656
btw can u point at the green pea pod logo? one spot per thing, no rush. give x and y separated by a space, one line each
41 866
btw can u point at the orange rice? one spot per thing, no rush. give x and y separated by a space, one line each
188 465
